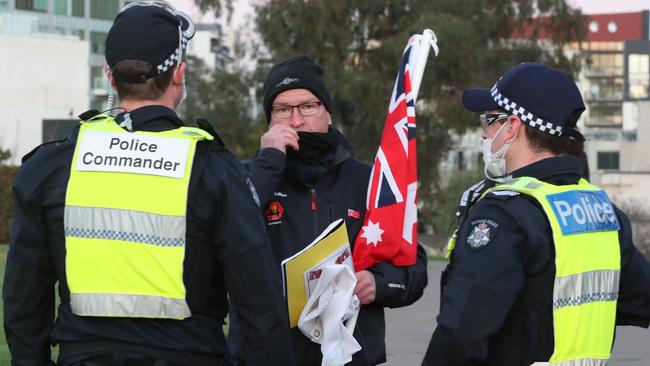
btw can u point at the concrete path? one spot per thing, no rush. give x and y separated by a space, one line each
409 330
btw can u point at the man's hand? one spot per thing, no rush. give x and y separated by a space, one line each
280 137
366 287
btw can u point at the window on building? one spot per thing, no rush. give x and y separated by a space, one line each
60 7
4 4
99 80
638 76
605 114
103 9
605 89
608 160
97 42
460 162
56 129
33 5
606 64
78 8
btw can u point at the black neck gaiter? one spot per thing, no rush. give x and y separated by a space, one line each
315 157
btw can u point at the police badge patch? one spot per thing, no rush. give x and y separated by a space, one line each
484 231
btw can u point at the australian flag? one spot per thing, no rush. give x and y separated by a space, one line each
389 232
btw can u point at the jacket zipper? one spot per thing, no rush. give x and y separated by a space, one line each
315 211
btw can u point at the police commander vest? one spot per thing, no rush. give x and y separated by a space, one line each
587 262
125 220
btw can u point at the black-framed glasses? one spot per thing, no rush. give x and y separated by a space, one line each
489 118
305 109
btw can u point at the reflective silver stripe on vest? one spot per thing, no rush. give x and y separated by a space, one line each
126 225
134 306
584 288
583 362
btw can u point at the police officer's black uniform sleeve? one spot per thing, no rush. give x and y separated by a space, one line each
252 278
633 307
486 278
266 171
28 290
400 286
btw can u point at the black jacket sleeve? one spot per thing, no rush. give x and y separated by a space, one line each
266 171
252 278
28 291
400 286
633 306
483 285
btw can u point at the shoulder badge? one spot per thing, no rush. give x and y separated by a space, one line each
483 231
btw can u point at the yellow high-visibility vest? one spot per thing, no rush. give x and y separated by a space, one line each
125 220
587 261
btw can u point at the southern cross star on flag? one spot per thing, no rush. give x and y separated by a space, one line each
389 232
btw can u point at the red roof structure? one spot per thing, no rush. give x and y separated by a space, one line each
614 27
617 27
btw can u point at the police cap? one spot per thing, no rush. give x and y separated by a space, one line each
152 31
546 99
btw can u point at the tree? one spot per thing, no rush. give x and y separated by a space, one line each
224 100
359 44
4 155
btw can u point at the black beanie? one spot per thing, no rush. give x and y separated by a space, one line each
298 72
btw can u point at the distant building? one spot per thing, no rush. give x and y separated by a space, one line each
615 84
52 65
208 45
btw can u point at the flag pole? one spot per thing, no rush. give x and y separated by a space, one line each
428 38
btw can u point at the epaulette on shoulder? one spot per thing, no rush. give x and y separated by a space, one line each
502 195
206 126
89 114
30 154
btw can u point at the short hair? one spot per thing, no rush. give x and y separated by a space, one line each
148 89
540 141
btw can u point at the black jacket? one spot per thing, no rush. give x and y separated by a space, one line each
227 253
496 304
295 215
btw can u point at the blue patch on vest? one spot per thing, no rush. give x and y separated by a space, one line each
583 211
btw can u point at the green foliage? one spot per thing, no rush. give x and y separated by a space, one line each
218 7
7 176
4 155
223 99
444 218
359 44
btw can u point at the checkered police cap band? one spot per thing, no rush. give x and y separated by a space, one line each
175 58
526 116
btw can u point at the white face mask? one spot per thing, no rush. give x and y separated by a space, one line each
495 164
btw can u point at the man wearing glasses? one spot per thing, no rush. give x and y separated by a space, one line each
307 177
543 266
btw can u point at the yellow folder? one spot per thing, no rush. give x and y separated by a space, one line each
332 245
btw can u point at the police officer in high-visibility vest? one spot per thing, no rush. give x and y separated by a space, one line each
148 226
542 265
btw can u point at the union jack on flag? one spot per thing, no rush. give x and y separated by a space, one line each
389 232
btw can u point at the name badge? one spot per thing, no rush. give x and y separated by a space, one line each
133 153
583 211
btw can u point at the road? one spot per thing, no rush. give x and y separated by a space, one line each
409 330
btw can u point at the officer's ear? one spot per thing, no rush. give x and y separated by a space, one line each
514 125
178 76
109 76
